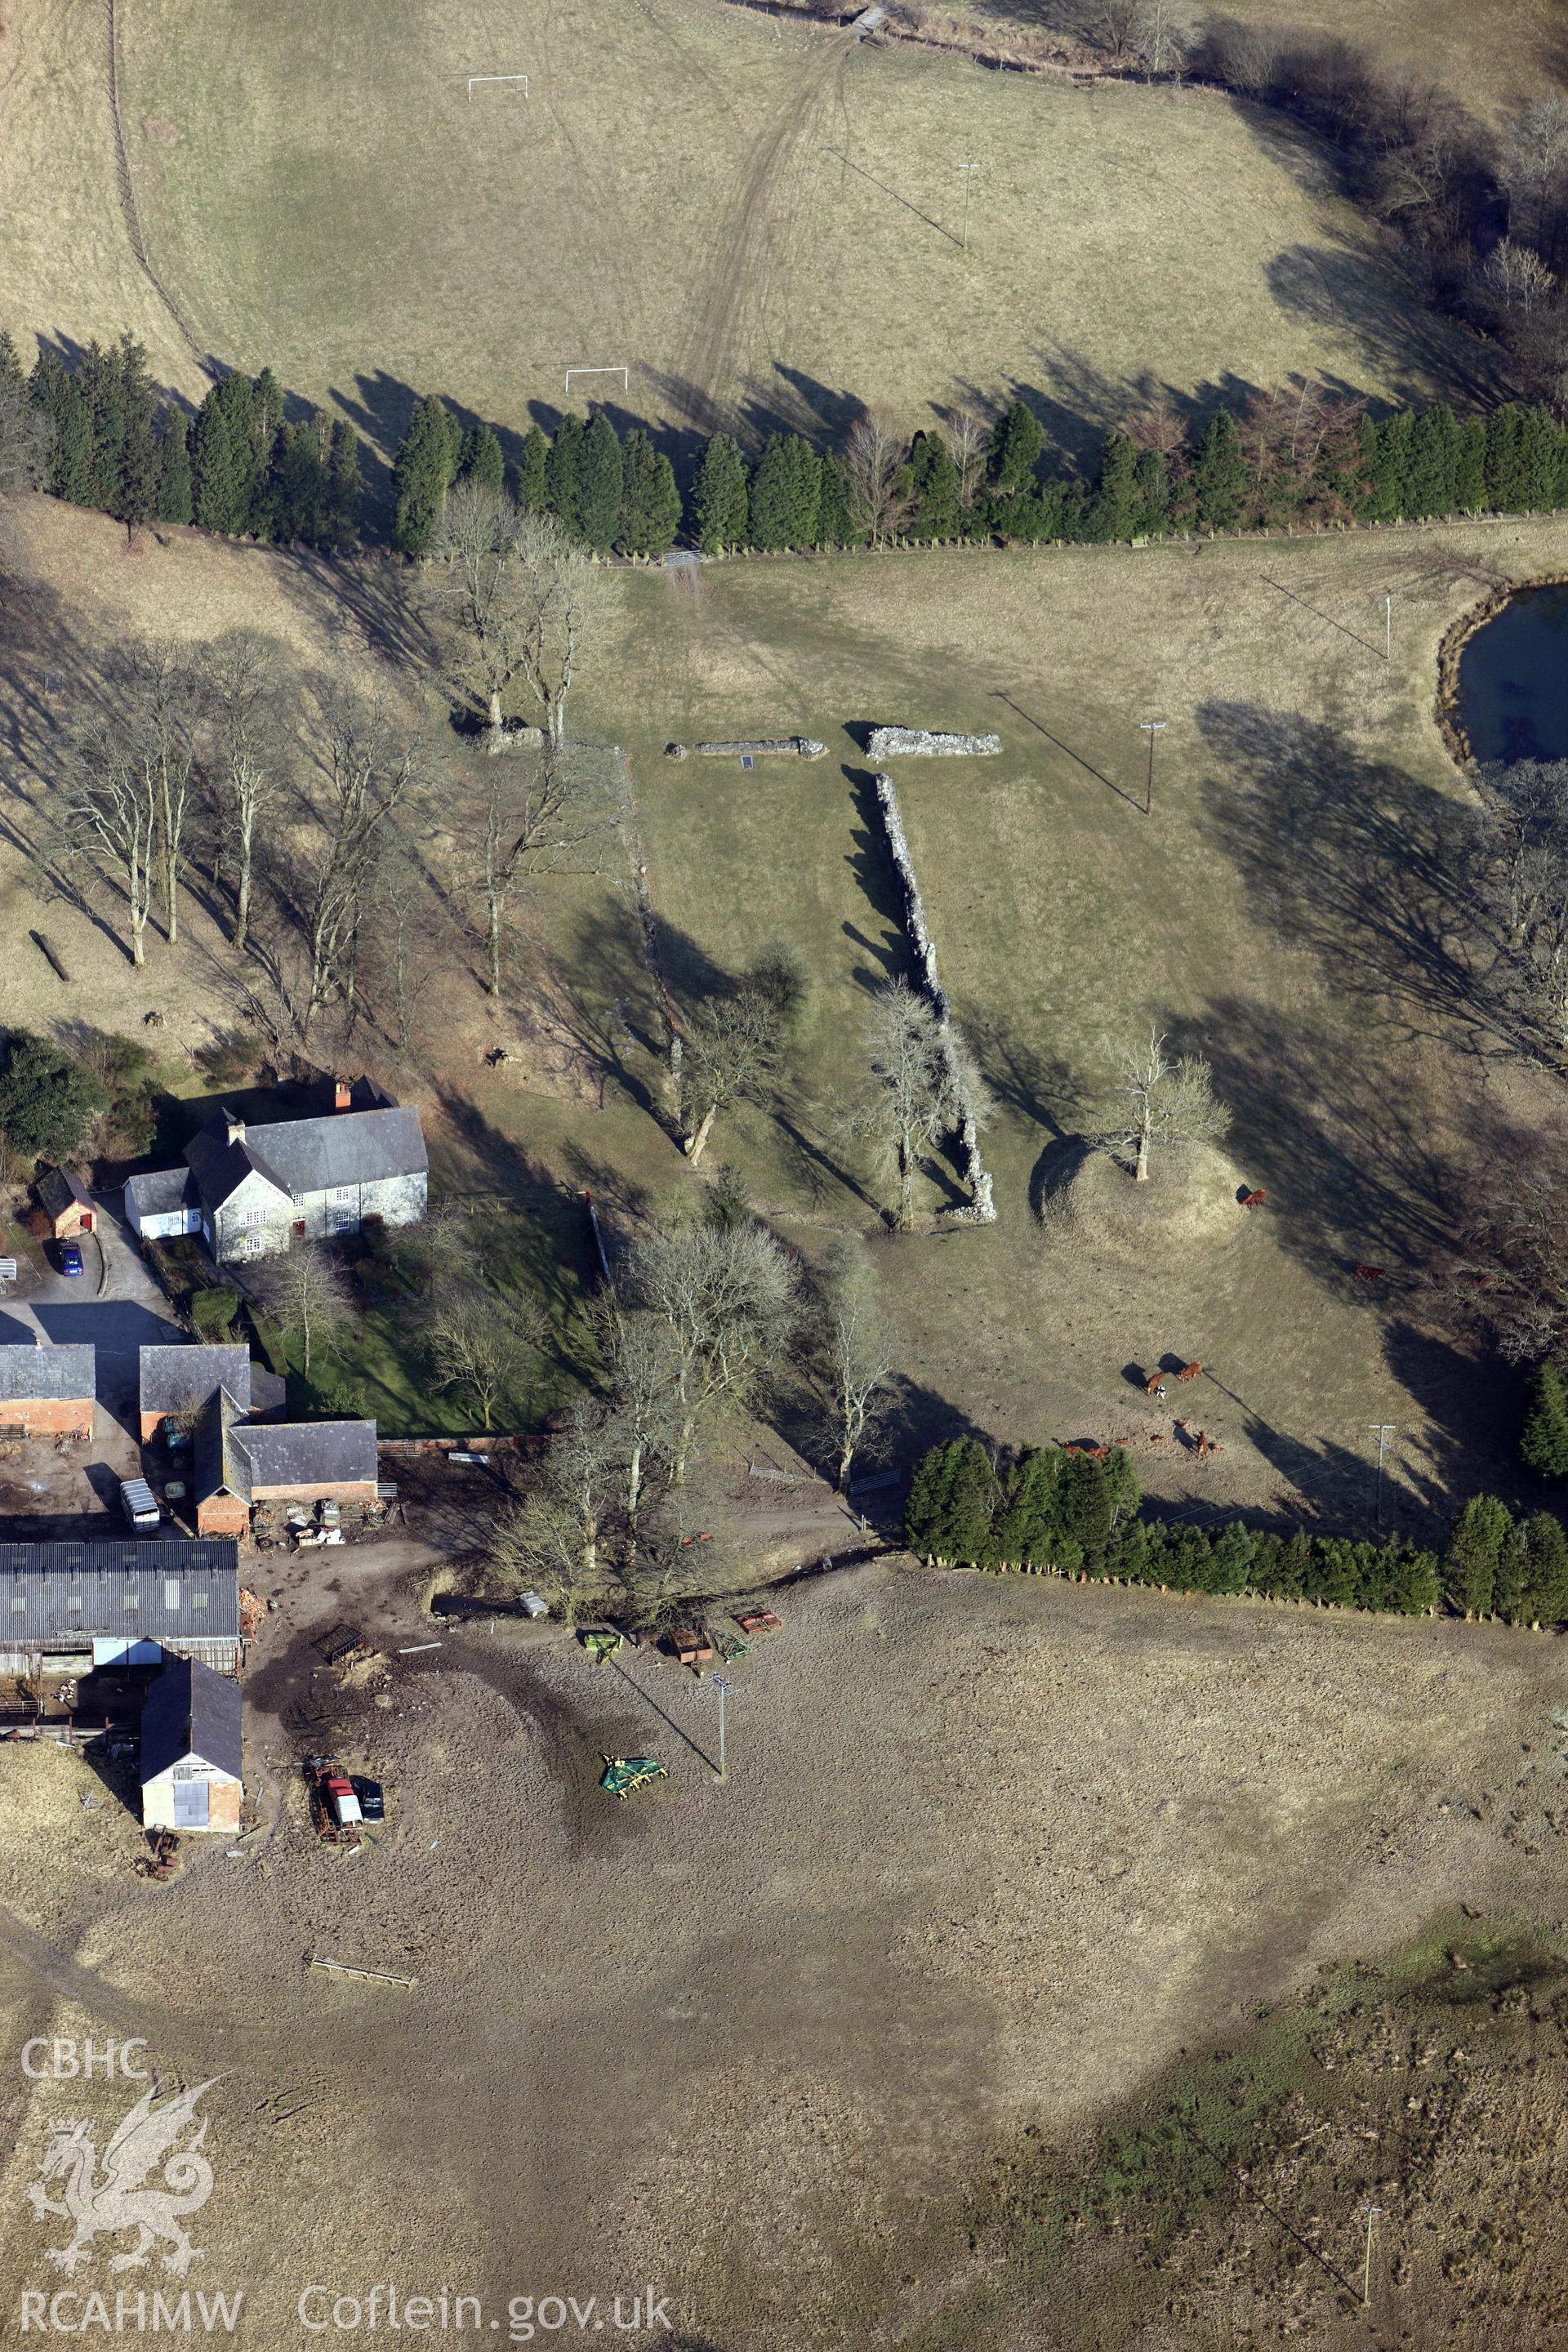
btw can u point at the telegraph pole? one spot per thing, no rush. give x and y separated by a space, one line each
1383 1431
1373 2213
1388 628
724 1686
968 170
1151 727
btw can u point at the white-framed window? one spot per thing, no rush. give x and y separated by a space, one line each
341 1193
199 1600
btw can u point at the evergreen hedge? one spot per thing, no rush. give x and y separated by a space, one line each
1293 459
1048 1510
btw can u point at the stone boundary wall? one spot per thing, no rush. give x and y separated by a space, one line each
982 1209
920 743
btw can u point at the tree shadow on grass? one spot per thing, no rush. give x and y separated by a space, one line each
1336 1134
1372 870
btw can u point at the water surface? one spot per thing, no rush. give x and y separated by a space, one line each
1513 679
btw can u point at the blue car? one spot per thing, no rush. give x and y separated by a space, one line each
71 1257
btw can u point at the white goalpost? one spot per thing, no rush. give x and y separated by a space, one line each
476 79
625 374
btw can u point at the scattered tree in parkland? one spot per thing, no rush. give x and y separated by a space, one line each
1165 1099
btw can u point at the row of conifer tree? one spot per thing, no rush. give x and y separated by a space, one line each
238 467
241 467
1046 1508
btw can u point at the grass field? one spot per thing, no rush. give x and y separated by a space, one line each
1280 912
666 198
818 2052
1290 909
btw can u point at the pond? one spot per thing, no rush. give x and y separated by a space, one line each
1513 679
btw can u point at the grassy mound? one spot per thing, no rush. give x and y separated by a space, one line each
1190 1201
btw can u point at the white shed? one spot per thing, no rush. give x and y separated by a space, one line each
163 1204
191 1723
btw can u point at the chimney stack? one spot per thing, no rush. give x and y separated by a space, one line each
340 1093
234 1126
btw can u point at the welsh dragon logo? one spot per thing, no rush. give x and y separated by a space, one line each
104 2204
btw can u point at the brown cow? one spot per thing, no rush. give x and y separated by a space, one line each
1155 1386
1204 1443
1253 1199
1189 1372
1369 1274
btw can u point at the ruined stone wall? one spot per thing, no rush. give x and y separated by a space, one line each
981 1209
920 743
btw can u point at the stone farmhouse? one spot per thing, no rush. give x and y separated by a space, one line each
191 1733
47 1392
66 1607
252 1189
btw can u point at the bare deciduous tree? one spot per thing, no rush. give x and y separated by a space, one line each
1507 1272
968 438
154 690
244 696
914 1097
479 1341
734 1043
302 1290
400 936
1246 57
726 1297
1165 1100
558 599
1533 166
1163 35
555 1540
642 1365
1516 279
731 1049
1524 883
369 773
522 818
477 586
110 812
875 468
854 1357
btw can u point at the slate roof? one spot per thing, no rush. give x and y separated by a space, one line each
238 1456
59 1189
305 1156
46 1375
181 1380
46 1576
162 1191
191 1711
303 1455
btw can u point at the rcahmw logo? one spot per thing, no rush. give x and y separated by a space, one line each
152 2175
